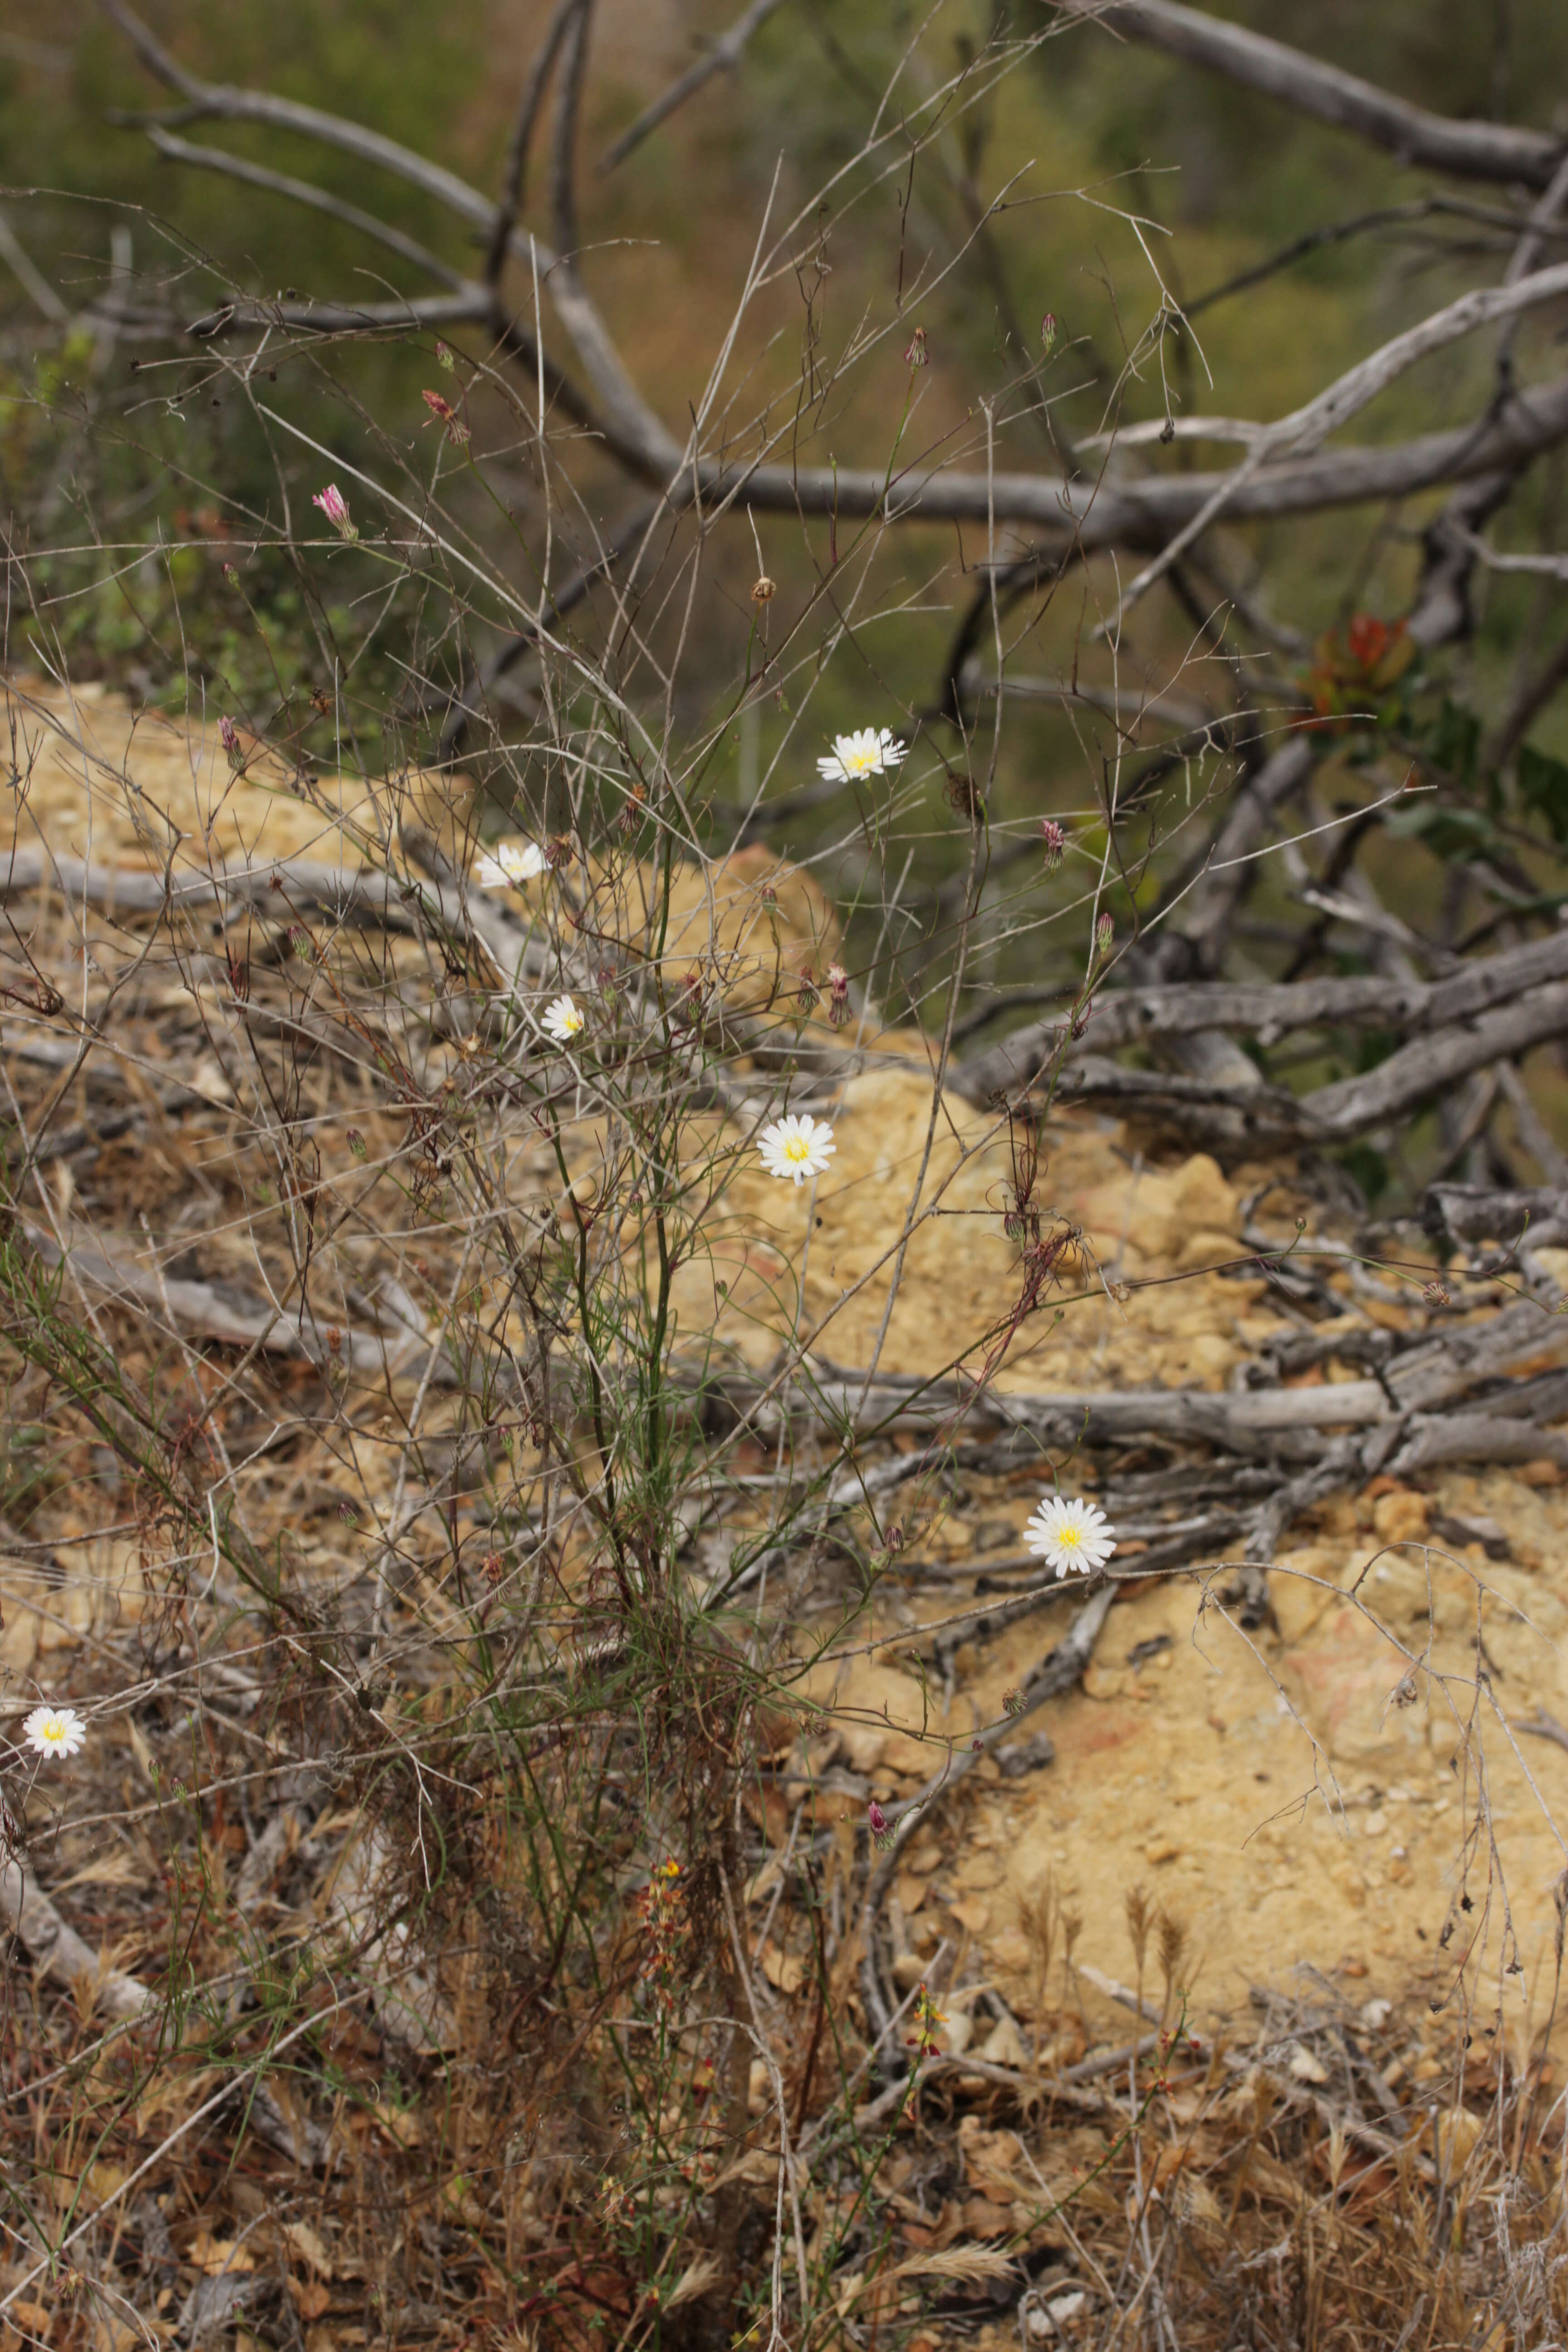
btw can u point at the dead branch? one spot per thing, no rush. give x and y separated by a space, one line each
1133 1016
1228 1116
202 1310
1472 150
721 56
57 1950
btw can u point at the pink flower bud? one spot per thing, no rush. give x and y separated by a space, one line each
915 356
1048 332
336 507
1104 934
443 358
228 735
1055 841
877 1820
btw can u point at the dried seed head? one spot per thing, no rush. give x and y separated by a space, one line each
1171 1942
442 411
916 355
765 591
1140 1920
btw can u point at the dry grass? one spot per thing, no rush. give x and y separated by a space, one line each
497 1912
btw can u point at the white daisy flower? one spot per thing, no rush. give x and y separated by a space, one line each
512 862
564 1021
796 1148
869 751
54 1731
1070 1536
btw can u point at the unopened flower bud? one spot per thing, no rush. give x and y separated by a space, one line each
231 574
229 734
915 356
877 1820
1104 935
1055 839
443 358
336 507
1048 332
357 1144
837 995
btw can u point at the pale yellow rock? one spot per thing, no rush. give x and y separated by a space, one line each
1401 1517
1398 1589
863 1748
1300 1588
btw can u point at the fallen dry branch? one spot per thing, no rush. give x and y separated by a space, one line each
57 1950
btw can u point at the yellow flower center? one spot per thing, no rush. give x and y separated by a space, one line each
796 1149
1070 1536
862 763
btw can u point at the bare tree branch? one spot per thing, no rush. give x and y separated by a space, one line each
510 201
28 276
1337 232
568 107
1471 150
1550 567
304 192
722 57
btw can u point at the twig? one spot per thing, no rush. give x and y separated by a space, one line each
721 56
